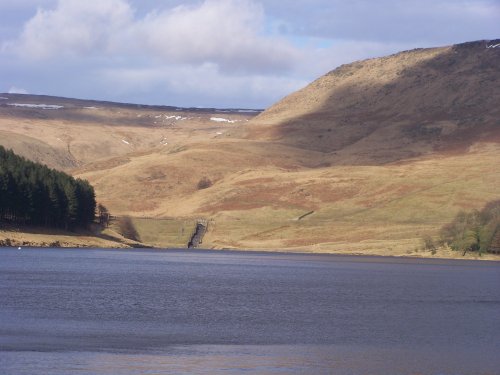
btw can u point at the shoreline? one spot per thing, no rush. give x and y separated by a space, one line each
90 240
276 252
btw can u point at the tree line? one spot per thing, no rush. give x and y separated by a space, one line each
472 231
32 193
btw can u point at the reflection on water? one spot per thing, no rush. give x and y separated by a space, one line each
285 359
144 312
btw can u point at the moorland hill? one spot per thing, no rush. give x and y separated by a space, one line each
367 159
394 108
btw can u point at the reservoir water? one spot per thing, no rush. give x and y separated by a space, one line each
207 312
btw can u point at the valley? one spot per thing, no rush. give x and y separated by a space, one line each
368 159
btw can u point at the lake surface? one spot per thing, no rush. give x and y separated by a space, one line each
176 312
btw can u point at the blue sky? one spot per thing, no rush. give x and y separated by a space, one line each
214 53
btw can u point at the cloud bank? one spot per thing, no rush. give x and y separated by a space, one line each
227 33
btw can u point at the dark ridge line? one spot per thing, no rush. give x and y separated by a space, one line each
133 105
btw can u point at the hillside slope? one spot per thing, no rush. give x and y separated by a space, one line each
367 159
68 133
393 108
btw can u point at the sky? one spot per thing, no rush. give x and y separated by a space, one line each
214 53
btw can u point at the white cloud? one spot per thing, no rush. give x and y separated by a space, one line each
228 33
73 28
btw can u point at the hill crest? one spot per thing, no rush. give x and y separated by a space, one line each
395 107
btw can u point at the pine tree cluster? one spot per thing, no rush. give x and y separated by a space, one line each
32 193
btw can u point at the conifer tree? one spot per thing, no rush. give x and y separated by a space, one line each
31 193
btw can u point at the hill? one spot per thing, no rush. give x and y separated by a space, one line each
393 108
369 158
67 133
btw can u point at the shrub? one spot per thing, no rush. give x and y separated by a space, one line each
473 231
204 183
127 228
429 244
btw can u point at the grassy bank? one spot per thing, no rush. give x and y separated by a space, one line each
42 237
37 237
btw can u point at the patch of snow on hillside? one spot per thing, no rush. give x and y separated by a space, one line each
89 107
220 119
41 106
2 98
493 46
178 118
124 141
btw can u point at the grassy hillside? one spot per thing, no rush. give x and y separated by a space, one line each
68 133
393 108
368 159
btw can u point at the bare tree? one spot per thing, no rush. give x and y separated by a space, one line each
103 215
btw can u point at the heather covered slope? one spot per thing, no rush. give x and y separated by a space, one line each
393 108
69 133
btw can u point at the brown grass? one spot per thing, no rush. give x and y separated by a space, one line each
384 152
